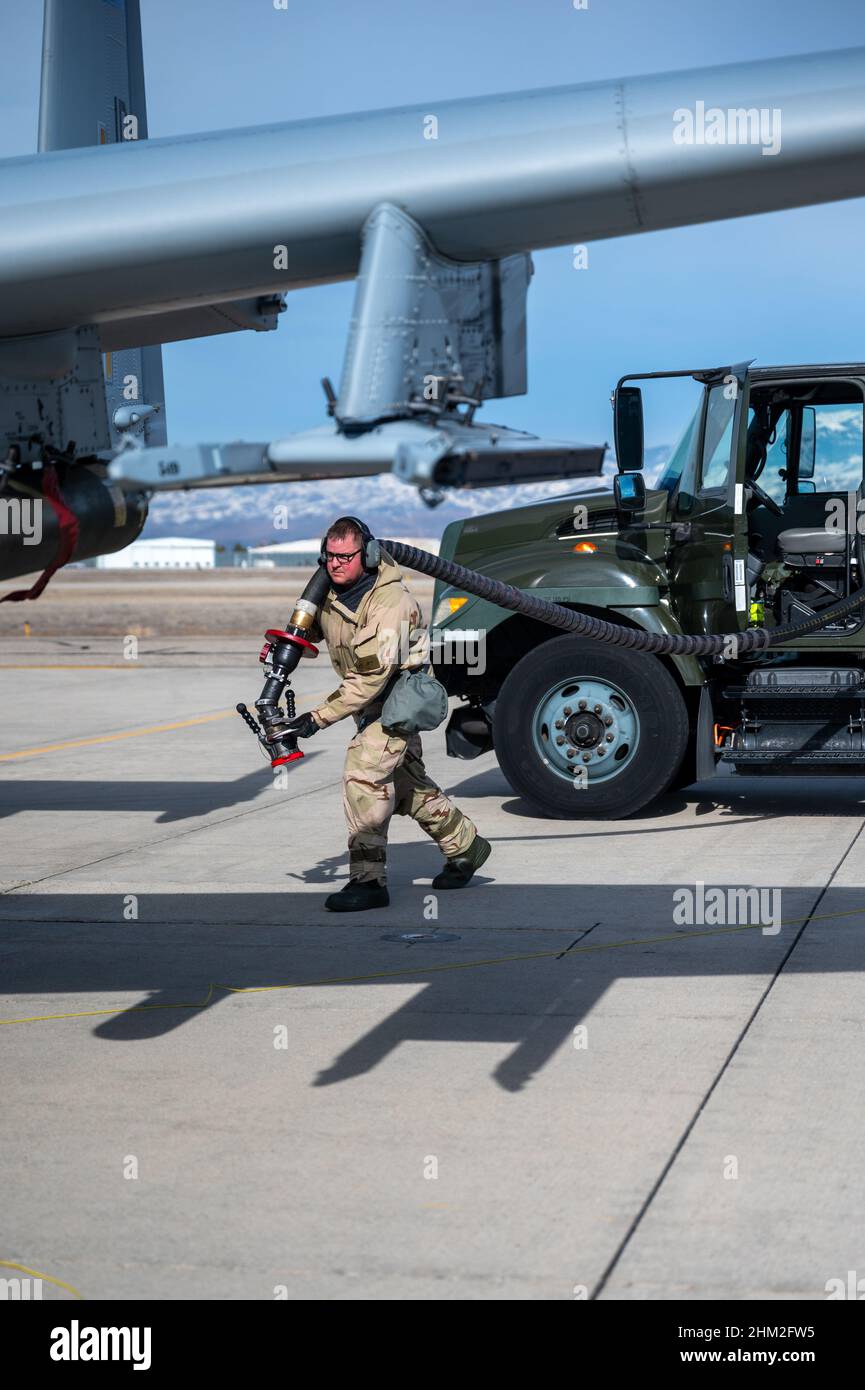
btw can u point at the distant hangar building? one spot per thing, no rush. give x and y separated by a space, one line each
302 554
164 553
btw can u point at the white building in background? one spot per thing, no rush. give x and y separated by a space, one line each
302 554
166 553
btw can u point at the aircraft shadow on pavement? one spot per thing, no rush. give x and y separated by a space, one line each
174 801
567 943
751 798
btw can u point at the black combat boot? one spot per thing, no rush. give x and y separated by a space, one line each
356 895
459 868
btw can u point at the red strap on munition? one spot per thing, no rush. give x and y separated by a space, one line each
68 528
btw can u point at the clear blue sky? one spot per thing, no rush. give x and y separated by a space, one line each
785 287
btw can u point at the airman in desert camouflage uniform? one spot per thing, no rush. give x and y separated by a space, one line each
374 629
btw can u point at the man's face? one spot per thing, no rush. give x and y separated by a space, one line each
348 570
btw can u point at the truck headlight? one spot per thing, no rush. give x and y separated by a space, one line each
447 607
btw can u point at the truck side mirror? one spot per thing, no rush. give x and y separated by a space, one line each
628 427
629 490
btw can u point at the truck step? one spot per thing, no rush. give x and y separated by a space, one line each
766 757
801 683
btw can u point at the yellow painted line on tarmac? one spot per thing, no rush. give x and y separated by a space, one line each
127 733
70 666
111 738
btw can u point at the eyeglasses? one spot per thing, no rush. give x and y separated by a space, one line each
336 558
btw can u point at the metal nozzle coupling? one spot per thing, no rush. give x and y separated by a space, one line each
303 615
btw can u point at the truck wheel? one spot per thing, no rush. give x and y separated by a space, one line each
687 770
584 729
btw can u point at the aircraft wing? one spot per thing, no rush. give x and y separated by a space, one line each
112 243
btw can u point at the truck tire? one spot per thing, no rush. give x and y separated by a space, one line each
686 774
591 697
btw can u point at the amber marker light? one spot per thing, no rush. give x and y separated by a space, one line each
585 548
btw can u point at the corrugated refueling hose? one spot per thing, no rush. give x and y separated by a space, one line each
519 601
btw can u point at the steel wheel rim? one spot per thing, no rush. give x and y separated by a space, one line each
585 715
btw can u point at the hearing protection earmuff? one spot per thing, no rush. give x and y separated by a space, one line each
371 550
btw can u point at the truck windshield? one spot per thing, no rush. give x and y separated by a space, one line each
683 452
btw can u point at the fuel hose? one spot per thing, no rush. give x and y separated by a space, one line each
567 620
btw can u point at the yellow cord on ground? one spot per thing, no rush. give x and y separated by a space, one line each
10 1264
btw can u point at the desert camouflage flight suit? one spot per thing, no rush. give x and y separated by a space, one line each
384 772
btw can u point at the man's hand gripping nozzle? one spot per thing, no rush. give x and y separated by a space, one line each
280 654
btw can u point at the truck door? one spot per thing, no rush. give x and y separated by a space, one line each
709 540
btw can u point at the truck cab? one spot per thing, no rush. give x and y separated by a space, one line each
751 519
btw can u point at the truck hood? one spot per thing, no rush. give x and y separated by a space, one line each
535 548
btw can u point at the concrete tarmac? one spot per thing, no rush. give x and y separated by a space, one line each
213 1088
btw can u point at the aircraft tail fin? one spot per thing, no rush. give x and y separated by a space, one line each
92 93
92 74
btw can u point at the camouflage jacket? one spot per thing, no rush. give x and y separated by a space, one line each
367 648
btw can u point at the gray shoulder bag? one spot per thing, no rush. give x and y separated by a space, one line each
416 701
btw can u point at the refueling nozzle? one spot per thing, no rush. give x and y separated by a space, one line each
282 651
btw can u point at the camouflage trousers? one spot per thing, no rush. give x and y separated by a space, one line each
384 775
